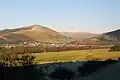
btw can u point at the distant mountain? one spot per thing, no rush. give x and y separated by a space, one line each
79 35
112 37
33 33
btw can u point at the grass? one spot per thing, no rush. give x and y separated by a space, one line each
81 55
49 36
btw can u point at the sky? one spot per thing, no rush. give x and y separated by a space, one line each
96 16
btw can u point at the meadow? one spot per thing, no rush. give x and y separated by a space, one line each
77 55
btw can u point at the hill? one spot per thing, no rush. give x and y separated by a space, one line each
82 37
32 33
111 37
45 34
115 35
79 35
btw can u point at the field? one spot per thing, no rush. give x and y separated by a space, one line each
81 55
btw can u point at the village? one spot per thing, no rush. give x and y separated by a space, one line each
38 47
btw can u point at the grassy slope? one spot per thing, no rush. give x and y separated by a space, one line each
79 35
47 36
76 55
35 33
13 38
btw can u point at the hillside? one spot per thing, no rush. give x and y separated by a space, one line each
111 37
114 34
79 35
33 32
41 33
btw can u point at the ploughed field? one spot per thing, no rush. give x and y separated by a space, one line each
77 55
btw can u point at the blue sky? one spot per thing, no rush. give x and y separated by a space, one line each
95 16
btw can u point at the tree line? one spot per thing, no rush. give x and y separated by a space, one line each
40 49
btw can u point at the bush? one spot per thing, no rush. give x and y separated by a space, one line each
62 74
16 60
115 48
110 61
22 73
19 67
88 68
92 66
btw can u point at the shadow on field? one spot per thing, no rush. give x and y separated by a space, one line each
55 71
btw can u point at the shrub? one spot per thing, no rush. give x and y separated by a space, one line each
110 61
20 67
16 60
88 68
62 74
115 48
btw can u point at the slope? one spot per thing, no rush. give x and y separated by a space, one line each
33 32
111 37
79 35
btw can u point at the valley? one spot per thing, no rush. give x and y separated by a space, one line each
48 54
59 39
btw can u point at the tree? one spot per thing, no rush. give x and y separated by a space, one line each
88 68
27 60
16 60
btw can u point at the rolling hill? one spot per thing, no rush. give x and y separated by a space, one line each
79 35
111 37
45 34
33 33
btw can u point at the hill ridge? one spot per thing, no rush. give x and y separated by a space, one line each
31 32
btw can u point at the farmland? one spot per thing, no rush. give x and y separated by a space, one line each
81 55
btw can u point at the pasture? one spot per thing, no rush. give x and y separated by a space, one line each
77 55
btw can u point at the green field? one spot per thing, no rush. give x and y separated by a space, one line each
81 55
